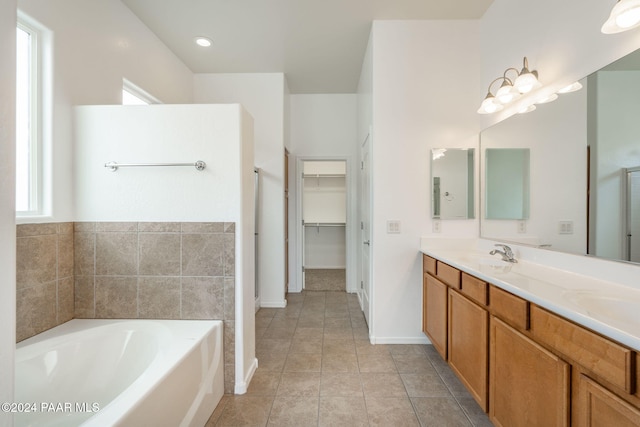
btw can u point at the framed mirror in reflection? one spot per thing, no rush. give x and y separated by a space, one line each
507 183
452 183
584 149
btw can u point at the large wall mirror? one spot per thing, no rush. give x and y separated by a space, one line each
452 183
584 158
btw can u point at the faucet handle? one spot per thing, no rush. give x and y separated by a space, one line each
507 250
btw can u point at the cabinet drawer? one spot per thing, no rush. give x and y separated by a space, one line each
509 308
429 264
474 288
597 354
449 275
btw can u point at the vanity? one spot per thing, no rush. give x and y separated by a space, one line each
554 338
535 345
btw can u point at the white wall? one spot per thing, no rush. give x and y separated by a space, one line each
7 204
95 45
220 135
263 96
424 96
323 126
157 134
246 362
617 109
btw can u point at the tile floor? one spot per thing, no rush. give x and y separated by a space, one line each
317 368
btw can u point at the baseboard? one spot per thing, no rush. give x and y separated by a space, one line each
242 388
399 340
274 304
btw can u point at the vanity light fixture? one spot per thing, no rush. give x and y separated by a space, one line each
547 99
527 80
527 109
571 88
490 104
203 41
625 15
510 89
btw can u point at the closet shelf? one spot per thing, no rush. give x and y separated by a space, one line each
325 224
322 175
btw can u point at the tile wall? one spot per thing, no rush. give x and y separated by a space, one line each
142 270
44 277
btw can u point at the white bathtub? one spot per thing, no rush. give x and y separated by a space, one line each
120 373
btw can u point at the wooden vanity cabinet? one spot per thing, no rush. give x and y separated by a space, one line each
594 405
523 364
435 313
529 386
468 335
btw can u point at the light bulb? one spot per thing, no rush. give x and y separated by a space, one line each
203 41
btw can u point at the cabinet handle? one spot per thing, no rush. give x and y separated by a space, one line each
367 242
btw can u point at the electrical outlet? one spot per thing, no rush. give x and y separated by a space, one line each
565 227
522 227
436 228
393 227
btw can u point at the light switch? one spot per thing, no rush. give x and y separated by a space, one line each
393 227
565 227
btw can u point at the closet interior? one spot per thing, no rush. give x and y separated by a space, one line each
324 219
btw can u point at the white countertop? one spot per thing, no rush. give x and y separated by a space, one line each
611 308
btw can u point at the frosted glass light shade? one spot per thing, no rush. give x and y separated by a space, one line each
547 99
507 93
526 82
571 88
489 105
625 15
527 109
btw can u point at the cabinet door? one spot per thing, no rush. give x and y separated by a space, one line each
598 407
529 386
469 344
435 314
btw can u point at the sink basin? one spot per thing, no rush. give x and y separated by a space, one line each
489 265
607 308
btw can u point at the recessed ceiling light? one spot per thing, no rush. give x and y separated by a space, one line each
203 41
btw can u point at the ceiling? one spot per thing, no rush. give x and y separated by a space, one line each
319 45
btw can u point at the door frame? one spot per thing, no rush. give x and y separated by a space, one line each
349 240
626 211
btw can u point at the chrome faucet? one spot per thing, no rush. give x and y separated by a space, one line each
507 253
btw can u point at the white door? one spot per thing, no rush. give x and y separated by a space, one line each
365 218
633 215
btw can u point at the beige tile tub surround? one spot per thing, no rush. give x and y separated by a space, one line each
158 270
44 277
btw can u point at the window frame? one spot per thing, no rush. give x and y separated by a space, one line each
39 117
139 93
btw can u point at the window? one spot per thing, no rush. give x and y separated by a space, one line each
134 95
30 40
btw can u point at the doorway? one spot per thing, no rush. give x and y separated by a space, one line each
632 235
324 224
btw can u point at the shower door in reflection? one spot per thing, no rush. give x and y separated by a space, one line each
633 214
